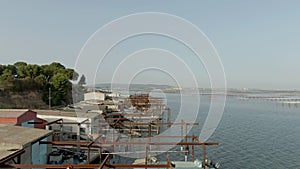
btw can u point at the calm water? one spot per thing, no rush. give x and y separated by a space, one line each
253 133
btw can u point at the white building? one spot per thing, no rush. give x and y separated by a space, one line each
95 95
86 118
114 94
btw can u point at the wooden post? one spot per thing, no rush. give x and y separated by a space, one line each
61 130
158 127
130 130
78 136
113 139
150 130
89 153
146 158
186 139
169 117
193 149
100 153
204 154
181 128
89 156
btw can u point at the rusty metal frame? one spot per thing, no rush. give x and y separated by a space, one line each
74 166
104 163
86 166
12 156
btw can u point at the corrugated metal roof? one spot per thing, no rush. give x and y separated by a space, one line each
12 113
7 149
21 135
58 113
14 138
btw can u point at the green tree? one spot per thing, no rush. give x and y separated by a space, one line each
7 75
56 67
21 69
71 74
2 68
20 64
32 71
21 77
40 79
60 81
21 72
61 87
50 70
47 72
12 68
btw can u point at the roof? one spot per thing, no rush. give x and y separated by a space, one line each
7 150
56 113
21 135
12 113
71 116
97 91
14 138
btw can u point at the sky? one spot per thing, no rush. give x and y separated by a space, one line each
258 42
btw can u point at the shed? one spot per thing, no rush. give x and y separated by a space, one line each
95 95
23 144
21 117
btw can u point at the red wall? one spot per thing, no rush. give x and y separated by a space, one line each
31 115
26 116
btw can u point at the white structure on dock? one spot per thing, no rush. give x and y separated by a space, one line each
86 120
95 95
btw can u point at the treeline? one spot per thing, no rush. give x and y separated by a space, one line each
23 77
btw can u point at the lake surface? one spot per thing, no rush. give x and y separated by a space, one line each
253 133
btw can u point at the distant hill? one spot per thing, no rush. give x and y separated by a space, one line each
133 86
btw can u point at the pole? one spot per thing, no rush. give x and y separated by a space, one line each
78 136
49 98
147 151
204 155
169 116
193 148
158 127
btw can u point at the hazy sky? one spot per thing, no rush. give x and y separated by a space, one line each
258 41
